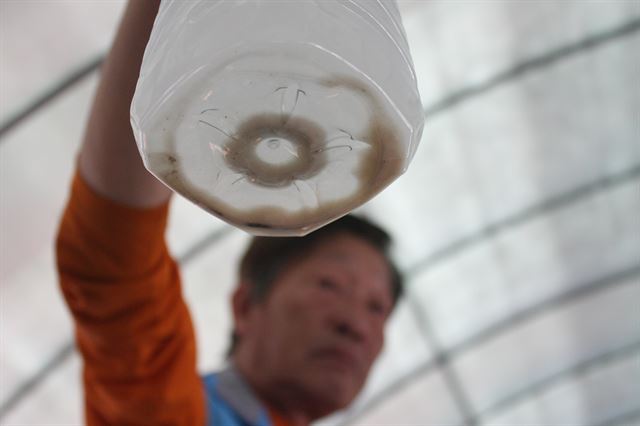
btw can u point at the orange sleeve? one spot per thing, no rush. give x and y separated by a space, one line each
133 328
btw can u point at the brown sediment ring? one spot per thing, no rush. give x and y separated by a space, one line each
308 138
384 161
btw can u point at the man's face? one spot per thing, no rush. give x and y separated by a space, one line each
314 338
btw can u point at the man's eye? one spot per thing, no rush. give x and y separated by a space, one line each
328 284
377 308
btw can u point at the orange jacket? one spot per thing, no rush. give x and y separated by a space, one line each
132 326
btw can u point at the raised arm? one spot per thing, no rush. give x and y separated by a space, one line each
109 159
122 287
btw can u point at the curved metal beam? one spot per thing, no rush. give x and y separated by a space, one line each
50 95
430 365
531 64
446 103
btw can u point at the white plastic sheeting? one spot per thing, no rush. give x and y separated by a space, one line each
517 225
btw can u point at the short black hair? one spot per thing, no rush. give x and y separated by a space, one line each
266 257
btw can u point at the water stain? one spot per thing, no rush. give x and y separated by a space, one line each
382 161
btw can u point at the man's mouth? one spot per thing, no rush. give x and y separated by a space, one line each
341 359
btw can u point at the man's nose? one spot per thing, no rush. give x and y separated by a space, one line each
350 324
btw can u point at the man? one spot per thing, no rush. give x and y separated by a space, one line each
309 313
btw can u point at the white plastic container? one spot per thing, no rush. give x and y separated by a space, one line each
277 116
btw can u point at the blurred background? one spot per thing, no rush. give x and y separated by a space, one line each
517 224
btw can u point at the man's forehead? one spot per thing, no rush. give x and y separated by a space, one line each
355 254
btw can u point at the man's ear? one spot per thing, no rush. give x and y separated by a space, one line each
242 304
